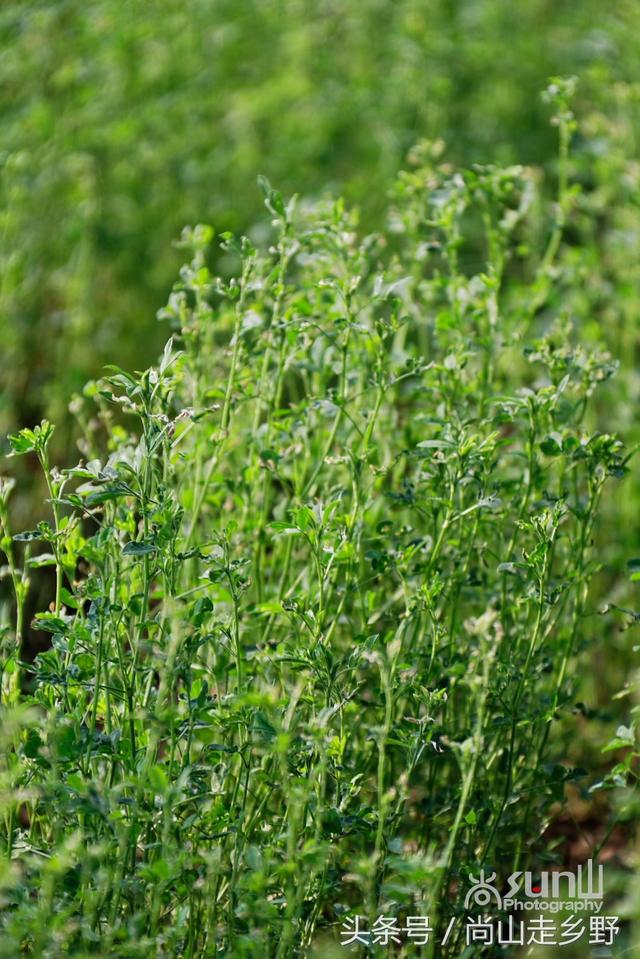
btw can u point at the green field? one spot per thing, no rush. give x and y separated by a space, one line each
318 524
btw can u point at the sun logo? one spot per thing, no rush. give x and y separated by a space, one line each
482 891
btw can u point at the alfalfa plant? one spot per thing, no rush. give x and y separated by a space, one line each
319 580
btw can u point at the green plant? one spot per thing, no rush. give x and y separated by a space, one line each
117 130
319 580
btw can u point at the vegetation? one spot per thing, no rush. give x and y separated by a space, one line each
338 607
319 586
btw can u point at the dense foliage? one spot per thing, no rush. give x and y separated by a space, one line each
319 584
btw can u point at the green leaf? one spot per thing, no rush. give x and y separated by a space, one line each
201 609
140 548
107 495
623 739
551 446
35 440
285 529
304 518
28 536
43 559
50 623
433 445
22 442
69 599
273 199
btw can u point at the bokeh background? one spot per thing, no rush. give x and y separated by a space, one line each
121 122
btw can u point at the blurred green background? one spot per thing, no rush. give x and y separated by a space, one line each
122 121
